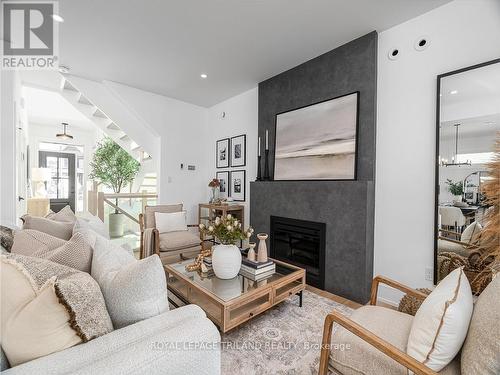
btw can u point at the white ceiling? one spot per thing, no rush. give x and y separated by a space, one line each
163 46
46 107
471 85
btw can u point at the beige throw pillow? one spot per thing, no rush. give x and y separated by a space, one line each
63 230
27 241
472 233
75 253
441 323
64 215
171 221
47 308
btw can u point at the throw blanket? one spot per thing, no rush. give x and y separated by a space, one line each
149 243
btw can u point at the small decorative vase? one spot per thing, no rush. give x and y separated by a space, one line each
251 251
226 261
262 252
214 195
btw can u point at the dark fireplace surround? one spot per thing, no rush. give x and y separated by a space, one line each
346 208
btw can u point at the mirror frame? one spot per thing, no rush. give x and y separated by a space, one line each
436 175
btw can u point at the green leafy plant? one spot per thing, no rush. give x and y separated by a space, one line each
455 188
112 166
227 230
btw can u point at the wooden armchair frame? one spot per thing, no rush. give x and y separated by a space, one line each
372 339
156 235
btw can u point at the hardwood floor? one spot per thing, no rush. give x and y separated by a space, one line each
334 297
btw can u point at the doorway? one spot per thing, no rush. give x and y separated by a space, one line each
61 187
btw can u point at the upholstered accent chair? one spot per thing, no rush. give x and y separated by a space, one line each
373 340
169 244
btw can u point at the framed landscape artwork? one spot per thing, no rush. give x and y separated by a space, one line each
238 151
319 141
238 185
222 149
223 178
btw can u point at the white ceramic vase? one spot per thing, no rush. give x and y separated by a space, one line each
226 261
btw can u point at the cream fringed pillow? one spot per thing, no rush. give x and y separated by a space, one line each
47 307
441 323
75 253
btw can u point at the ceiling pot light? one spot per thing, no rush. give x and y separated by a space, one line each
64 135
57 18
422 43
393 54
453 92
203 75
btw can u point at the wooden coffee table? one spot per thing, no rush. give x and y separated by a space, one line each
229 303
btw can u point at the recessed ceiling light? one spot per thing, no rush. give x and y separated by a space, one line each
57 18
203 75
453 92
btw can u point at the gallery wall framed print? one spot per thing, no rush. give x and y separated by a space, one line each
318 141
223 178
238 185
239 151
222 150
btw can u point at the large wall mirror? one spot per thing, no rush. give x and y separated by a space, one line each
468 121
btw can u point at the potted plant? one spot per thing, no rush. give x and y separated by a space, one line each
226 256
456 189
114 167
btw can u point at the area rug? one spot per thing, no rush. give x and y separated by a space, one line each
284 340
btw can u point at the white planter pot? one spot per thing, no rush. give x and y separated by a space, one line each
116 225
226 261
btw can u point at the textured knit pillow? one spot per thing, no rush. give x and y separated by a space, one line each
481 350
63 230
27 241
66 214
93 223
134 290
47 307
441 323
75 253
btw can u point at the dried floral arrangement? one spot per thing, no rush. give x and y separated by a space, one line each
227 230
487 256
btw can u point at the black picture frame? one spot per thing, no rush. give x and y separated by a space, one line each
243 151
355 176
436 160
238 196
224 175
218 148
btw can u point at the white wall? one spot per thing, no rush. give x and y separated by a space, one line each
183 135
11 118
241 118
462 33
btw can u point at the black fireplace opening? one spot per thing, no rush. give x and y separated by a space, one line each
301 243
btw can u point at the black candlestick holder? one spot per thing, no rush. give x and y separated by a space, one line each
266 167
259 169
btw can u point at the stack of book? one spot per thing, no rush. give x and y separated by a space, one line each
257 271
207 261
